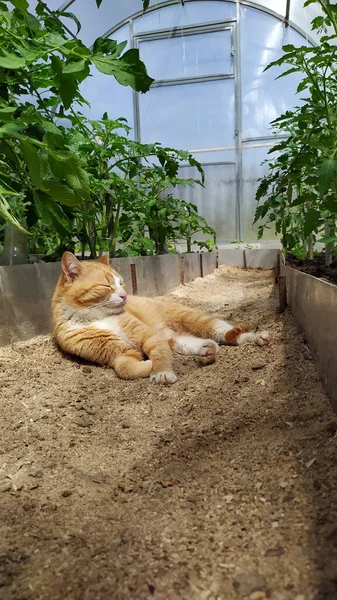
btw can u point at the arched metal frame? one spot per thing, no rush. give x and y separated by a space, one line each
285 16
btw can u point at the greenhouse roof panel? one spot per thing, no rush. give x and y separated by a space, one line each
111 14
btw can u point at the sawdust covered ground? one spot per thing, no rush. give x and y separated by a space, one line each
219 487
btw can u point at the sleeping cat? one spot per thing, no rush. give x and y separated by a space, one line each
94 319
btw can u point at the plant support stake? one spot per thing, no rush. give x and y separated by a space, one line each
201 265
134 279
182 270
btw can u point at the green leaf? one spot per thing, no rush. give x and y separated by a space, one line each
317 22
33 22
288 48
105 46
56 39
327 240
330 204
32 160
133 72
68 86
312 220
69 166
288 72
61 193
146 4
75 66
11 130
302 199
98 2
70 15
68 89
6 110
21 5
262 189
7 191
9 60
50 127
52 214
260 212
302 86
6 214
127 70
327 173
194 163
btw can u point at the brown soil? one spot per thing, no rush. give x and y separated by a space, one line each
315 267
219 487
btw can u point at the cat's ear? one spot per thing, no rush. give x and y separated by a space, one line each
104 259
71 267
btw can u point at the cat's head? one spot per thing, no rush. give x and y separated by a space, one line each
92 284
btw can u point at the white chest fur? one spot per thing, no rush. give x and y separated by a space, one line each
112 325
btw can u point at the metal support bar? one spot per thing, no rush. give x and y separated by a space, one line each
186 80
135 96
185 30
238 123
216 149
267 138
286 18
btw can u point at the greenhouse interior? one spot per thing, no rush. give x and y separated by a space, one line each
168 300
211 95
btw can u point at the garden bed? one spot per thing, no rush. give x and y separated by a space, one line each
313 305
315 267
221 485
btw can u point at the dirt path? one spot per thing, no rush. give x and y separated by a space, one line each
219 487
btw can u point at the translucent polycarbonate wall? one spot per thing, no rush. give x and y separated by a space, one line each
112 13
211 95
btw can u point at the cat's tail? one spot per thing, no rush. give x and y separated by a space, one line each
130 365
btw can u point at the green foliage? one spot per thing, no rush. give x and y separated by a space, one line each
132 208
41 69
88 186
300 188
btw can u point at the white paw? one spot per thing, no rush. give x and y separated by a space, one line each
208 352
164 378
209 347
262 338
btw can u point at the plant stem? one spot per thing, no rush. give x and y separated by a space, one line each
310 252
329 246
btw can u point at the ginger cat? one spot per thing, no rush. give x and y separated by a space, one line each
94 319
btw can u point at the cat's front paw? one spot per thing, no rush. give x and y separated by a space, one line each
163 378
262 338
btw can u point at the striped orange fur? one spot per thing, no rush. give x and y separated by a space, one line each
94 319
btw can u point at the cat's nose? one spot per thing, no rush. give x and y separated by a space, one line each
123 294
